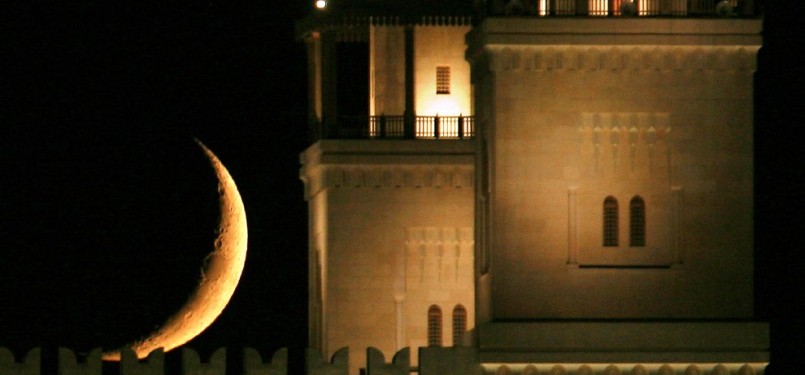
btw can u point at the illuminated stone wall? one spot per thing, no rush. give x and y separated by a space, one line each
391 233
434 46
441 46
387 70
574 111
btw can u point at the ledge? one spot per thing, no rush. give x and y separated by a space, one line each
600 342
614 31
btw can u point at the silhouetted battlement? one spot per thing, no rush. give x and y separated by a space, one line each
432 361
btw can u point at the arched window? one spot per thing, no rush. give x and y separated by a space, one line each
637 222
610 221
459 323
434 326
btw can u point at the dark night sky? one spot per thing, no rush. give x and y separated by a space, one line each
107 207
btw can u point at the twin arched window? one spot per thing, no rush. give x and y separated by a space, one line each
435 324
637 222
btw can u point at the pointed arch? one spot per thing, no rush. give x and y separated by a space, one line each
637 222
610 221
459 323
434 326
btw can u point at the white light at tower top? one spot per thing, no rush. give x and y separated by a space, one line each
321 4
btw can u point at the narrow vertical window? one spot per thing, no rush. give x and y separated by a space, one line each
637 222
434 326
443 80
459 323
610 221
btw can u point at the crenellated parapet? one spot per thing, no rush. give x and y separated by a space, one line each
316 365
376 363
253 363
449 361
130 364
433 360
30 364
70 365
191 364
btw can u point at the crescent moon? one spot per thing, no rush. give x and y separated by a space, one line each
219 277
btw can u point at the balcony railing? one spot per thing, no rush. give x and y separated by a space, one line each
615 8
390 127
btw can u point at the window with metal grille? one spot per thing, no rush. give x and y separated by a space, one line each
443 80
434 326
637 222
459 323
610 221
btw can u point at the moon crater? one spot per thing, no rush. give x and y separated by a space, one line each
220 273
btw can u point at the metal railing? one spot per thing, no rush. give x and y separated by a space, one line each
390 127
615 8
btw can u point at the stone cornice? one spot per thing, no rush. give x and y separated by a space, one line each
387 164
615 44
622 58
615 31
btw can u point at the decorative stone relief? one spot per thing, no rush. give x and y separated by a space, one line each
619 369
614 131
614 59
585 370
395 177
444 246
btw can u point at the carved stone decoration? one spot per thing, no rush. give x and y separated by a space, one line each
637 133
572 226
549 59
530 370
719 370
652 59
393 177
613 59
639 370
633 135
570 59
590 59
634 59
693 370
747 369
585 370
651 138
678 59
614 141
666 370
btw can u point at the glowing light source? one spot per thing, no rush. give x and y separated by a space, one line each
321 4
220 274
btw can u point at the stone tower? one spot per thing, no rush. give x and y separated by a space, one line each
575 174
389 179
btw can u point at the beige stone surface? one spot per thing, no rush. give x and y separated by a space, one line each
391 225
661 112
